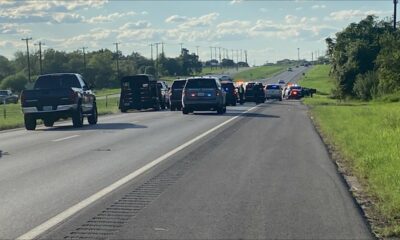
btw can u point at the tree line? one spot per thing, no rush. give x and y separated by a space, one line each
98 67
365 59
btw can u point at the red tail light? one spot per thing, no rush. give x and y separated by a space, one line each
72 96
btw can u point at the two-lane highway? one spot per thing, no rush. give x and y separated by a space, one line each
255 172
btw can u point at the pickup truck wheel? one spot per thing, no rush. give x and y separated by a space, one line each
157 107
220 110
185 111
30 122
92 119
123 110
77 117
48 122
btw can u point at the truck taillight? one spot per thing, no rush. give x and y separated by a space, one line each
217 92
72 96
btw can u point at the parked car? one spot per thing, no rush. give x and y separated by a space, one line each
139 92
163 92
273 91
6 96
295 92
175 94
56 96
281 82
231 92
290 69
248 93
203 94
259 93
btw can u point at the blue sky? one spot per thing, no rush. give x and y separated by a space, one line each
268 30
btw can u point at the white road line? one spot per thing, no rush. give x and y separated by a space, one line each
35 232
62 139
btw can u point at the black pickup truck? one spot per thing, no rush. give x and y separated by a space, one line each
56 96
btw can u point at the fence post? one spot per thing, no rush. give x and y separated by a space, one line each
106 101
4 112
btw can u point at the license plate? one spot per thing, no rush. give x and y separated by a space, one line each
200 94
47 108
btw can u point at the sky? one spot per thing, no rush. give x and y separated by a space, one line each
267 30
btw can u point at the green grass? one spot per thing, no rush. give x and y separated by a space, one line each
259 73
107 91
367 134
319 79
14 117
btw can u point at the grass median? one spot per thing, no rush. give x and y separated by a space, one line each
367 136
258 73
11 115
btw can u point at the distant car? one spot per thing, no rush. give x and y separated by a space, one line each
249 93
231 93
175 94
139 92
273 91
295 92
203 94
290 69
163 92
56 96
6 96
281 82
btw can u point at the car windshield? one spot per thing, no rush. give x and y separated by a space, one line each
201 83
199 119
57 81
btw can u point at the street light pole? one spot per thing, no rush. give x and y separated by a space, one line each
27 53
84 58
298 55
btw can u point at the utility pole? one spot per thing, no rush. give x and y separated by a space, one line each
395 13
151 50
211 48
237 59
162 48
40 56
245 54
197 50
181 46
241 55
298 56
116 48
156 44
84 58
27 53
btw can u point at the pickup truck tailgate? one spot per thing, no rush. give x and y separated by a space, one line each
47 97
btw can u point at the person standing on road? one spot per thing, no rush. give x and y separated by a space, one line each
241 94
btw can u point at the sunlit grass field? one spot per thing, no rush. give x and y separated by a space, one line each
259 73
367 134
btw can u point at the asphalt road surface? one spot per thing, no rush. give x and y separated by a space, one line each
255 172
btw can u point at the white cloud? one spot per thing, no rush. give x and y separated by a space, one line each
318 6
144 13
135 25
67 18
235 2
10 28
109 18
263 10
291 19
351 14
189 22
176 19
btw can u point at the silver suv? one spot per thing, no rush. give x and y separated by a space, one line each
203 94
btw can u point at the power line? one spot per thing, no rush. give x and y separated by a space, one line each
27 53
40 56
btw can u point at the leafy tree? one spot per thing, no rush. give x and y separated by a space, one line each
15 82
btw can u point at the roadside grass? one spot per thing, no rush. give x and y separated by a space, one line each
11 115
107 91
259 73
367 136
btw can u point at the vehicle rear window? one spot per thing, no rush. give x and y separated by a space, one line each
57 81
178 84
228 86
296 87
273 87
3 93
201 83
138 79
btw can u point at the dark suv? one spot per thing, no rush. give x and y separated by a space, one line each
203 94
231 94
139 92
175 94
